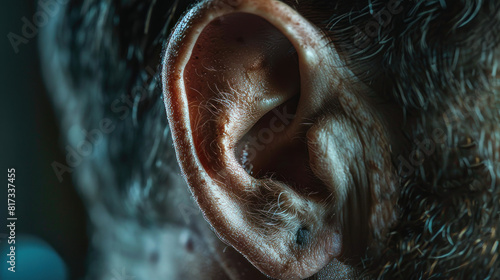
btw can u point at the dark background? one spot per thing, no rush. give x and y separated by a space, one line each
30 141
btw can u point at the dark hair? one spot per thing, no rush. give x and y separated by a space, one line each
437 59
102 61
107 55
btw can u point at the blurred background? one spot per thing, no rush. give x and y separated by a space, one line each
51 233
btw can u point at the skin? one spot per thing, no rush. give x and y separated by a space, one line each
312 145
352 139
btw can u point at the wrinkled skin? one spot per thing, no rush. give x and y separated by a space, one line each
221 80
320 139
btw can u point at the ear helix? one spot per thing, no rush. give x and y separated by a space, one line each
221 76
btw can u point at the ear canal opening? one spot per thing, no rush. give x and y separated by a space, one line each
267 147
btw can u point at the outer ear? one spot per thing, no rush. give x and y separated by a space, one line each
246 83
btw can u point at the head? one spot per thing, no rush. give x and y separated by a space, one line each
317 138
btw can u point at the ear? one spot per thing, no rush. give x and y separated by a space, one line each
257 101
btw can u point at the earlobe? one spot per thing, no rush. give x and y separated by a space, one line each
244 82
